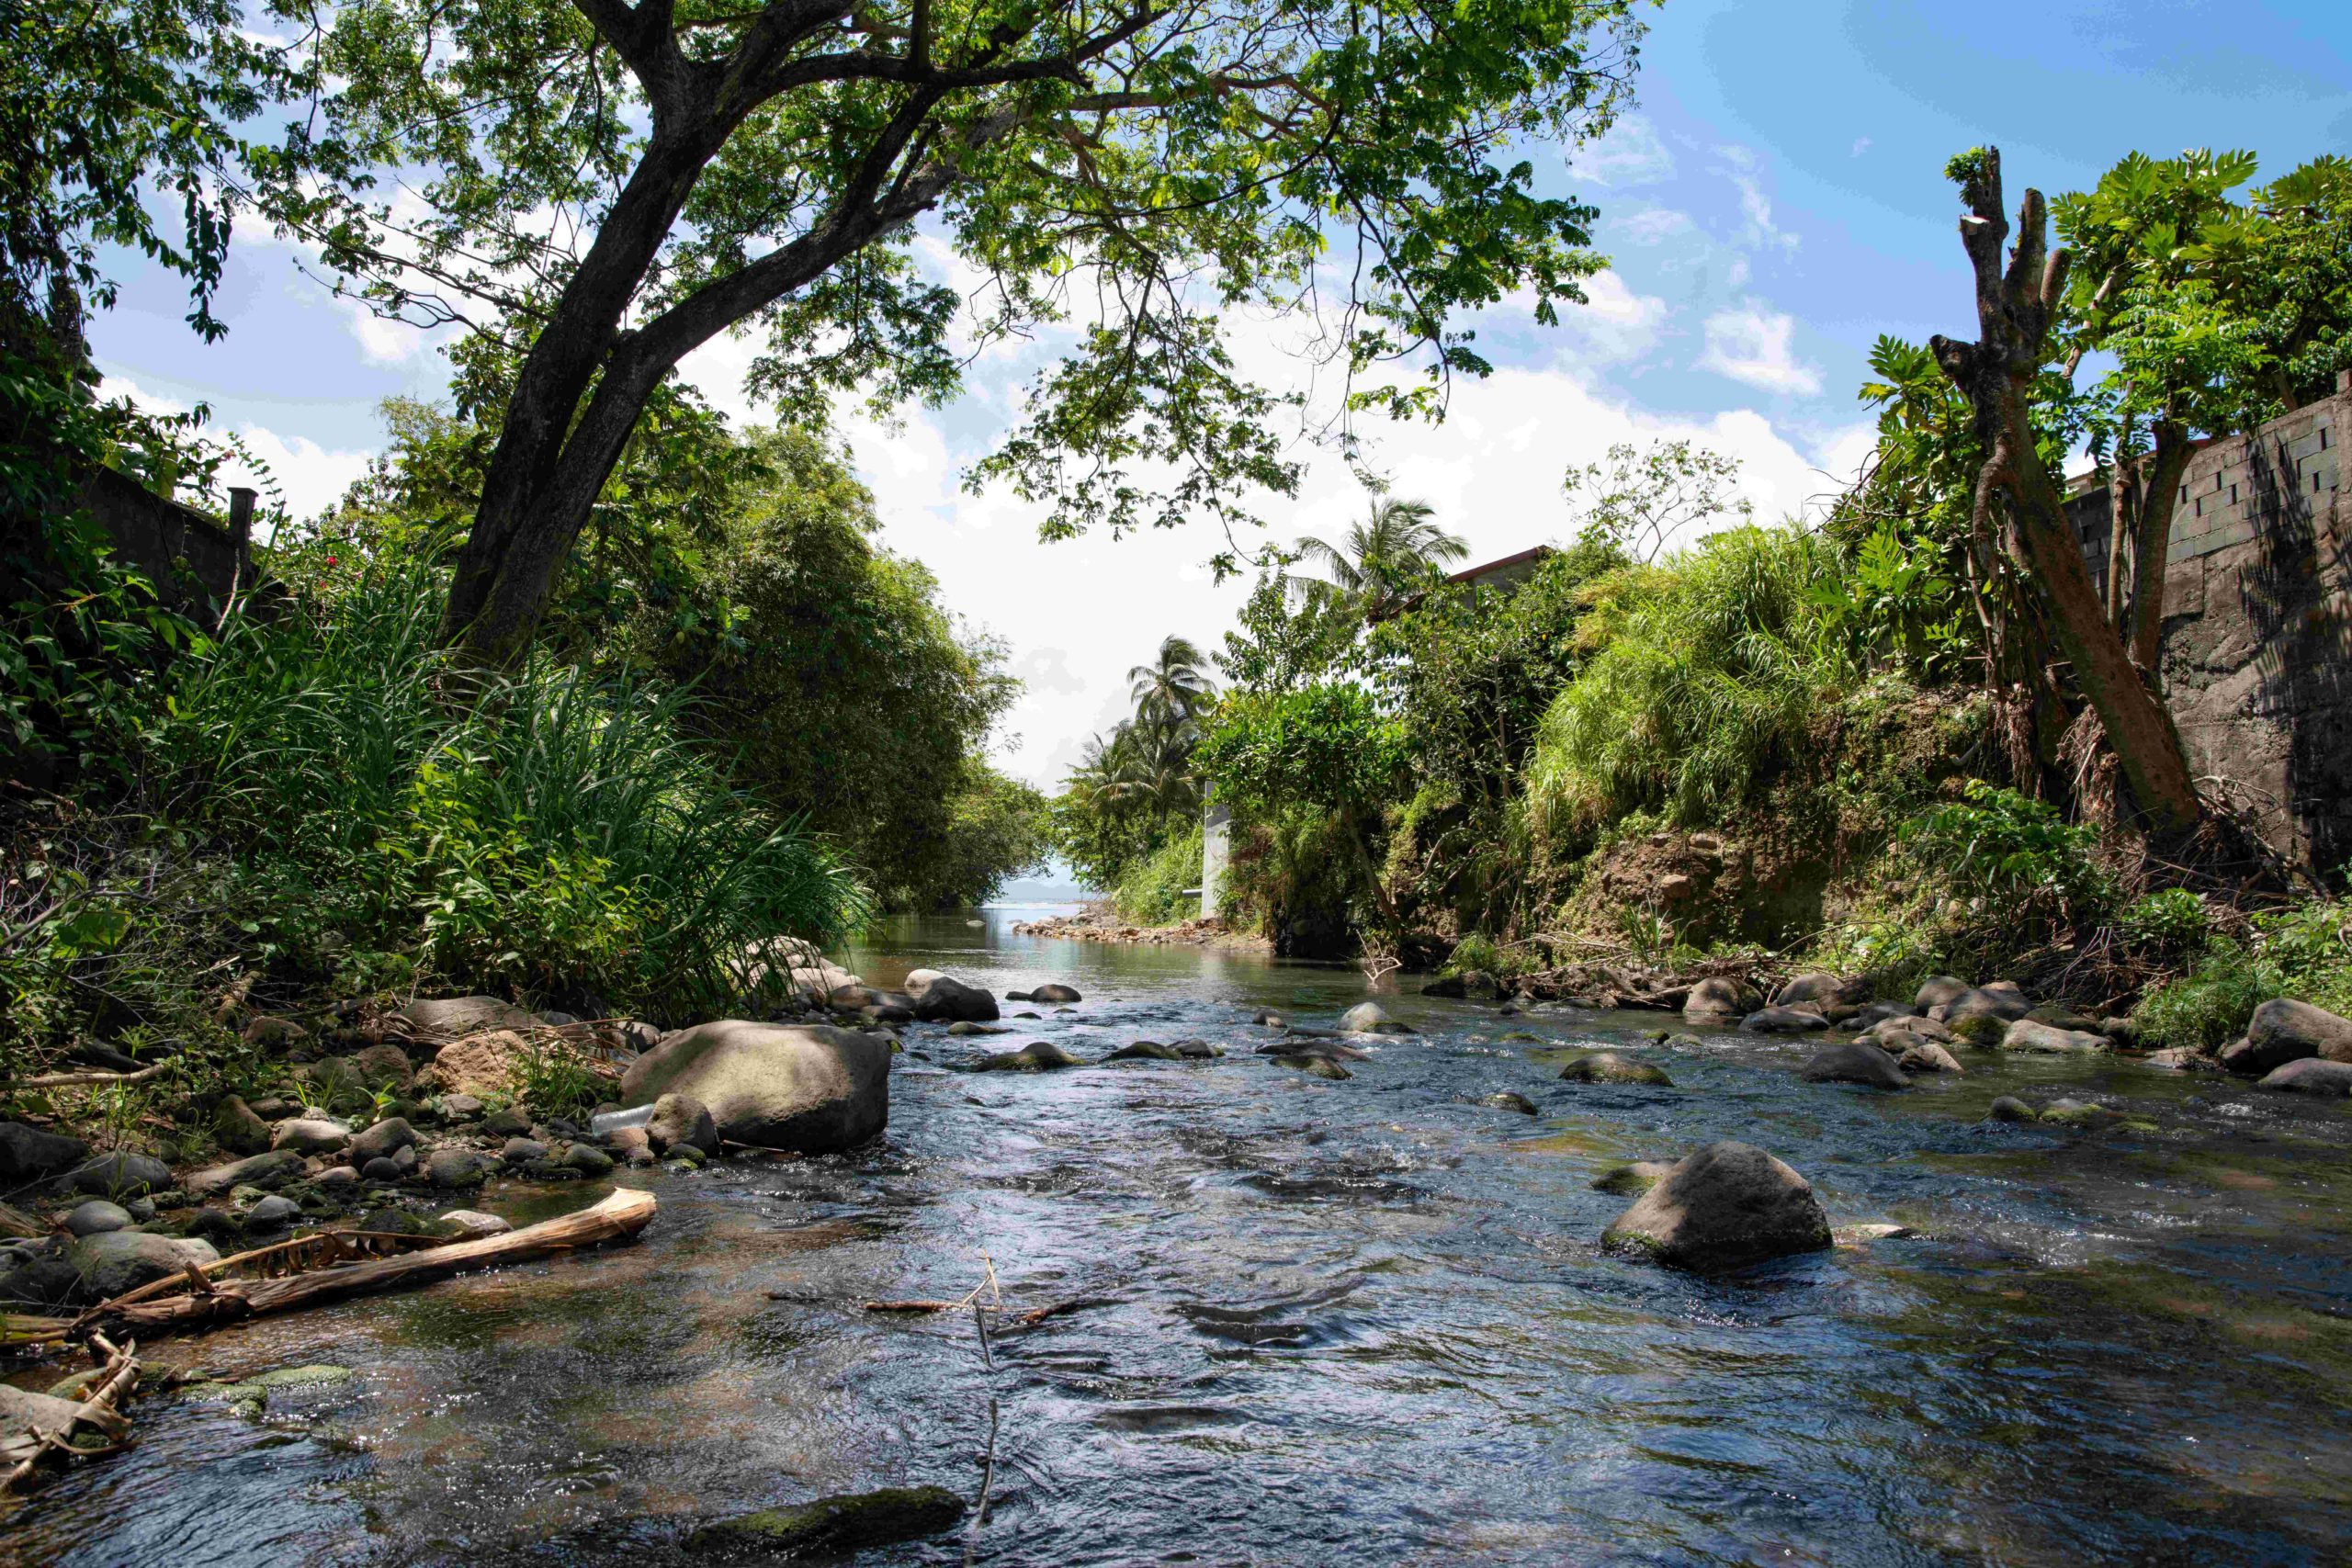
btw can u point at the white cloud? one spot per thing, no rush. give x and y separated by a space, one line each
382 340
1861 145
1650 225
309 477
1758 230
1754 344
1628 154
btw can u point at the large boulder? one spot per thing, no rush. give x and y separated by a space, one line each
452 1017
29 1153
2281 1031
1939 990
1726 1206
114 1175
2027 1035
1371 1017
1718 997
810 1089
1861 1064
942 998
489 1064
2312 1075
681 1119
112 1262
1816 991
2000 999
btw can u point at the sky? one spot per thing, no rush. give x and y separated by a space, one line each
1772 205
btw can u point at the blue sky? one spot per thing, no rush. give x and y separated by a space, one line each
1772 206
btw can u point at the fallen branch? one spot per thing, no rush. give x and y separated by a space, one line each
72 1081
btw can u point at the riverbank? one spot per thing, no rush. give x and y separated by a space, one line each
1100 922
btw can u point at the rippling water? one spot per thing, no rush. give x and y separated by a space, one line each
1358 1322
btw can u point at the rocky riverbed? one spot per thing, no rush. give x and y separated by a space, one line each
2073 1308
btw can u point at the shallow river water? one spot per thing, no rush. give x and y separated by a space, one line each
1359 1322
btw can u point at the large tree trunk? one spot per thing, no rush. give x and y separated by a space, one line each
2014 310
2154 508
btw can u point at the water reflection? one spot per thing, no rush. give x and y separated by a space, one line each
1342 1322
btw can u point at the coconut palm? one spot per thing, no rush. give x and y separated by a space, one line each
1173 688
1396 543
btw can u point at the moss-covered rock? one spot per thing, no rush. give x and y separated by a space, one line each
1610 1067
831 1526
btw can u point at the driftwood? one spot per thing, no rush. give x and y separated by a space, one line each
1017 1320
97 1409
70 1080
620 1215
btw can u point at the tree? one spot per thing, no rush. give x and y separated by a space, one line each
615 184
2015 309
1641 500
1172 689
1397 548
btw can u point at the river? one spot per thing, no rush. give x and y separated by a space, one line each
1360 1322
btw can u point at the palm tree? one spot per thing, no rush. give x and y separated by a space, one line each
1173 689
1396 543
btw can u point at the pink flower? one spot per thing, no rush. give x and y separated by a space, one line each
331 560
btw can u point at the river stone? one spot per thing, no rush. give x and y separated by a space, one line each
587 1158
2179 1059
1910 1028
1631 1180
935 997
1813 991
271 1212
337 1176
385 1137
682 1119
2027 1035
472 1224
2000 999
630 1146
1507 1101
2080 1113
1782 1021
1726 1206
1033 1057
1054 993
456 1168
831 1527
309 1136
484 1064
1371 1017
237 1128
1265 1017
522 1151
1861 1064
113 1262
450 1017
964 1027
2058 1015
1198 1050
96 1217
1926 1056
1145 1051
1316 1064
505 1124
2306 1074
381 1169
1716 997
461 1107
382 1066
2281 1031
808 1088
1939 990
255 1170
112 1176
1611 1067
28 1153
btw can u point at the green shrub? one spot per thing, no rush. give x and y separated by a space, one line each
554 1079
2309 948
1155 890
2171 921
2208 1006
2017 863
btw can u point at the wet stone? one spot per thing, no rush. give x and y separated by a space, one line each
831 1527
1611 1067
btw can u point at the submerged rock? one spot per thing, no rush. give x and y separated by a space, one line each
2281 1031
1371 1017
1320 1066
2312 1075
1507 1101
1926 1056
2009 1107
1053 993
831 1527
1726 1206
1611 1067
1145 1051
1782 1021
1859 1064
1816 991
934 997
1631 1180
1036 1056
2080 1113
809 1088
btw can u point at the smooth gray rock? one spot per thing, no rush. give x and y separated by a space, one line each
2311 1075
1316 1064
273 1212
1813 991
934 997
808 1088
1613 1066
682 1119
381 1169
450 1017
472 1224
112 1176
1938 990
453 1168
386 1137
1782 1021
522 1151
312 1135
1716 997
1038 1054
1726 1206
1858 1063
1507 1101
2281 1031
96 1217
112 1262
1371 1017
1926 1056
2027 1035
1054 993
30 1154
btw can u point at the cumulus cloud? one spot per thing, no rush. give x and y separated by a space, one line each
309 478
1758 231
1629 153
1754 344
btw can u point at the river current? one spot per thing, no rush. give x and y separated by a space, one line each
1360 1322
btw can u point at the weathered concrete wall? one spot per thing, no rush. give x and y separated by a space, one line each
190 557
2257 645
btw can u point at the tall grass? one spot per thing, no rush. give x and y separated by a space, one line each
1702 664
542 830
